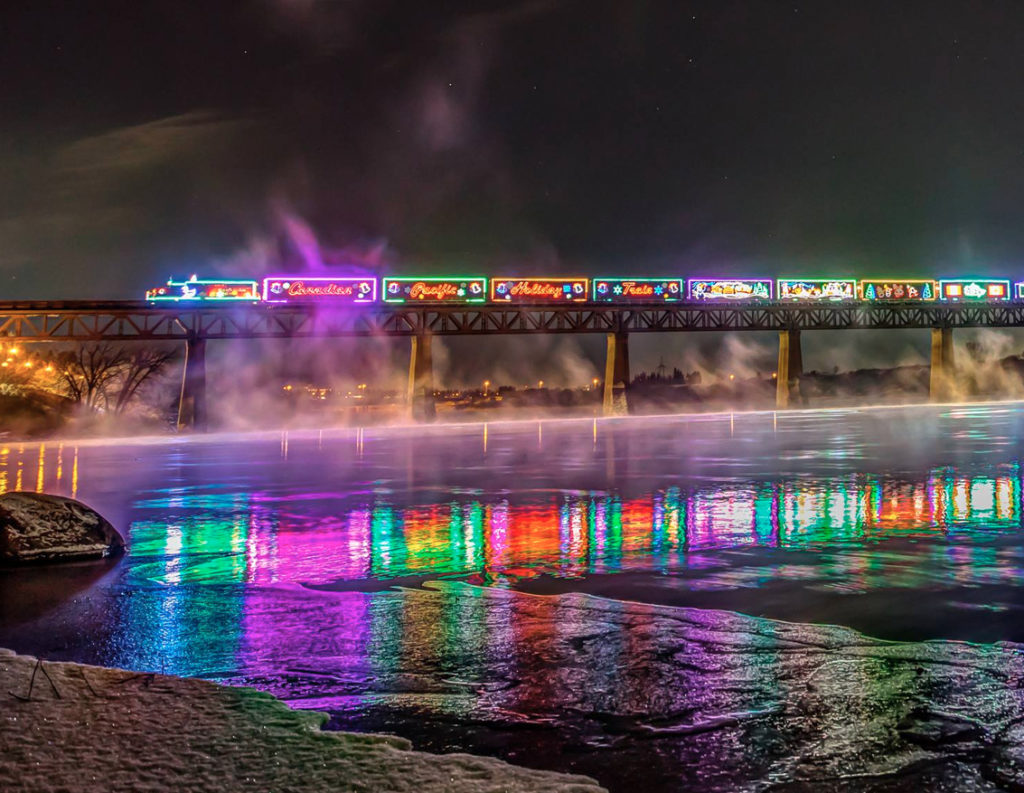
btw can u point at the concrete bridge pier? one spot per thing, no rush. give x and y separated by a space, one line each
616 375
192 403
943 369
790 368
420 397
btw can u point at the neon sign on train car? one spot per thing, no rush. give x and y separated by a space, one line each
729 289
539 290
816 289
1018 290
434 290
974 289
284 289
637 290
898 290
196 289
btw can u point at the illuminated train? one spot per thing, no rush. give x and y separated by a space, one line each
545 291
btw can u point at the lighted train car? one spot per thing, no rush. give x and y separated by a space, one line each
539 290
913 290
434 290
637 290
729 289
1018 290
196 289
298 289
816 289
974 289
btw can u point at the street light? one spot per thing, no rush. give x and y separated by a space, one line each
487 384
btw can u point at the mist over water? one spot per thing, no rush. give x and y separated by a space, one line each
556 592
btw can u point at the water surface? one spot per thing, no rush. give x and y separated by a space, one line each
304 563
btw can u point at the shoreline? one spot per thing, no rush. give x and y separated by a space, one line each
90 728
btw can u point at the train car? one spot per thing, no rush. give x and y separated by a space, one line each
729 289
302 289
434 290
816 289
881 289
203 289
637 290
973 289
539 290
1018 290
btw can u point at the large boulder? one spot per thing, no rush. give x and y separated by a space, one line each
35 527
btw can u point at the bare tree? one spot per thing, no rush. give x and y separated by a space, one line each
138 367
103 376
89 370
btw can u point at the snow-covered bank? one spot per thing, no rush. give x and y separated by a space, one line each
88 728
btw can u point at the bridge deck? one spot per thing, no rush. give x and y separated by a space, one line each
29 321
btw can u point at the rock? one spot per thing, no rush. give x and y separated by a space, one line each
35 527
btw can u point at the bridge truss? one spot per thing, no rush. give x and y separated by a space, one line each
85 321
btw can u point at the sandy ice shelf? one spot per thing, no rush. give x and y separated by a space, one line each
96 729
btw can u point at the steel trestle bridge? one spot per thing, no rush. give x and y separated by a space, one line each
195 324
84 321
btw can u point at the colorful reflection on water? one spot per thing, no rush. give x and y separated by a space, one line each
222 533
214 526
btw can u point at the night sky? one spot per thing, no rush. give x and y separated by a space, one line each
145 139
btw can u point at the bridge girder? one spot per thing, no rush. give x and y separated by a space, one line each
80 321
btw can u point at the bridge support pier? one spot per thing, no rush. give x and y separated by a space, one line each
420 398
192 403
943 369
791 367
616 375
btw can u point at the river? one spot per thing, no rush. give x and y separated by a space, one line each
682 603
